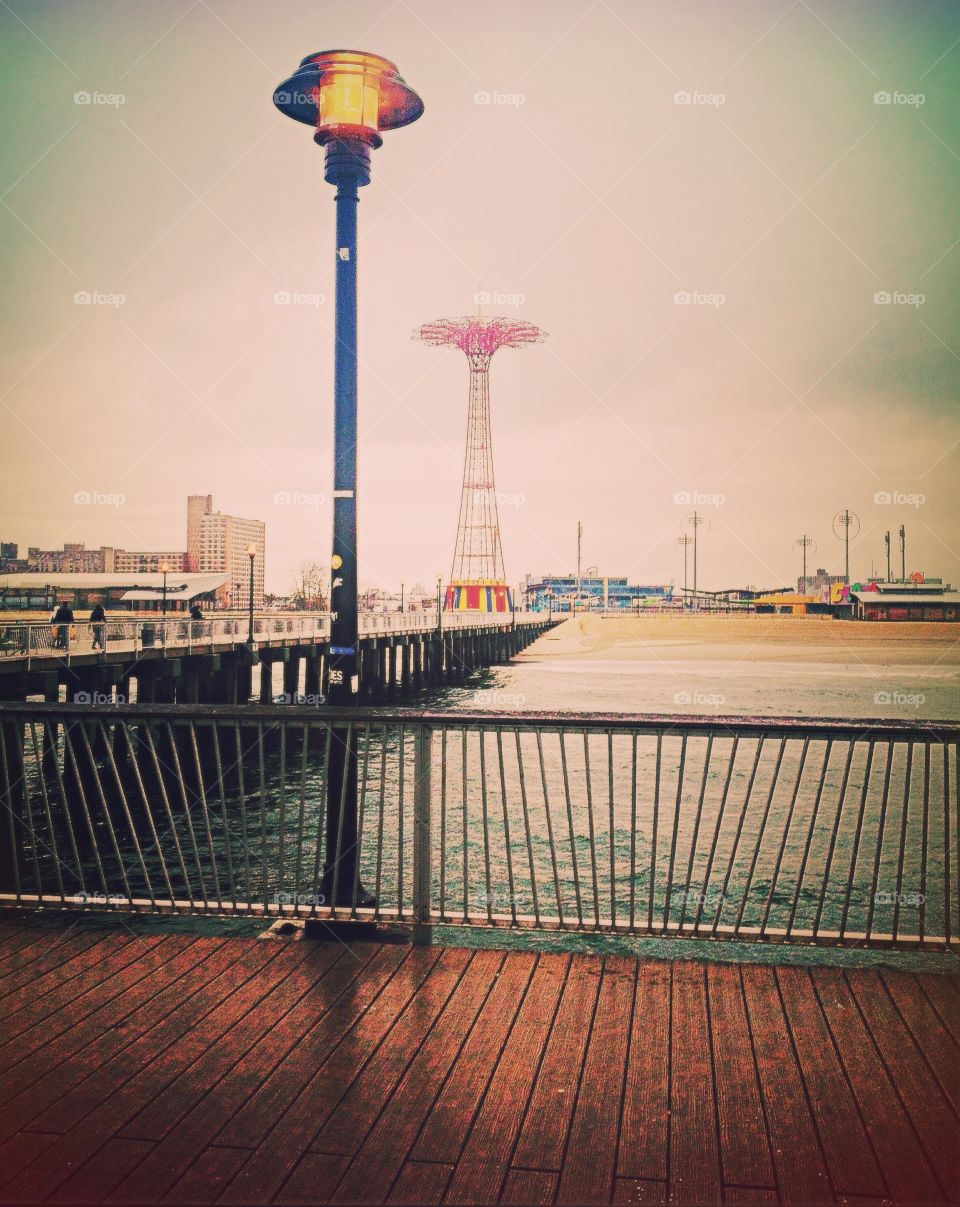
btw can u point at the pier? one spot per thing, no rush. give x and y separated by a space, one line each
218 661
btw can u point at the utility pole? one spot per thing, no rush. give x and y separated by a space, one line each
579 550
886 541
695 519
903 554
805 542
686 541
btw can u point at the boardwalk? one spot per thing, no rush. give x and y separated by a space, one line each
163 1066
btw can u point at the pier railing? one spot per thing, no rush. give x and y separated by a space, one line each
31 641
829 831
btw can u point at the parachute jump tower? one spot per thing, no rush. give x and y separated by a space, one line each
478 579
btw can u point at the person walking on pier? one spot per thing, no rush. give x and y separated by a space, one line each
63 619
98 619
195 615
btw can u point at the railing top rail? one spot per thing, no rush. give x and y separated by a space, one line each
826 727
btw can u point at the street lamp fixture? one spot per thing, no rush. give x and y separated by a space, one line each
251 554
350 98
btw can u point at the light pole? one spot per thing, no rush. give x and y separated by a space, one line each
439 603
349 98
843 521
886 541
401 598
251 554
549 594
903 554
686 541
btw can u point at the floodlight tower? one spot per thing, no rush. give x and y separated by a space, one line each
846 523
478 579
804 542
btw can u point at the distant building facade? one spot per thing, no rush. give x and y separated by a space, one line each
820 585
216 543
597 591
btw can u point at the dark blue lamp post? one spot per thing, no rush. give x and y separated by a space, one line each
348 97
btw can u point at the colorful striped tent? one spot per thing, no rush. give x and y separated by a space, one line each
484 596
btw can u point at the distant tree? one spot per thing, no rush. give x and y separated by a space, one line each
309 581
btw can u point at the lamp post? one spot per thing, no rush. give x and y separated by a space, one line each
349 98
251 554
401 598
439 603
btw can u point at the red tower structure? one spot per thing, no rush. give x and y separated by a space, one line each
478 579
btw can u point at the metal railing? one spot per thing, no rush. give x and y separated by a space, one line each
32 640
831 831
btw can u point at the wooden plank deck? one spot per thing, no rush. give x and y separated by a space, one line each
184 1069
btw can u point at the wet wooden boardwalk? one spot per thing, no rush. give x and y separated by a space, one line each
169 1067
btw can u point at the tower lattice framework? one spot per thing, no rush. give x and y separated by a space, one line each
478 552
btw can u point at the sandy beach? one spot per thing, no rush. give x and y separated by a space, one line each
750 638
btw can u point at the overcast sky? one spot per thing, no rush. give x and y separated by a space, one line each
588 162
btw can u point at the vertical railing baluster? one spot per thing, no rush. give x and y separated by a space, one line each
361 813
526 827
591 829
828 863
52 745
947 918
721 809
205 810
281 819
319 849
775 875
225 821
466 831
244 829
633 832
305 734
158 772
737 834
71 754
122 796
880 829
760 835
573 839
814 814
8 787
654 835
901 854
550 838
696 829
613 849
857 833
51 831
187 813
384 733
673 839
506 828
922 915
443 824
422 873
151 821
486 830
402 748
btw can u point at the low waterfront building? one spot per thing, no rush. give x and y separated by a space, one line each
116 591
931 600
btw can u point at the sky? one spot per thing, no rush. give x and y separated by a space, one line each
737 224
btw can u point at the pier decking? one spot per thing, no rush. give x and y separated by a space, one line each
146 1066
